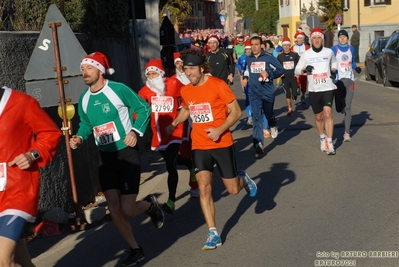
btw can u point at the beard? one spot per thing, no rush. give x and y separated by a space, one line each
157 85
181 76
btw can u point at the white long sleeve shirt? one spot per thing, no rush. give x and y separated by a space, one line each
322 62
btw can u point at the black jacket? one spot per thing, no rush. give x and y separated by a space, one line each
221 64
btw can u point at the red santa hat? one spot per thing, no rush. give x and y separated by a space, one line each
213 38
286 40
155 65
299 35
176 57
99 61
247 44
316 32
299 29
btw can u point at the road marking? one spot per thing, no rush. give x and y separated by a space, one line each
379 85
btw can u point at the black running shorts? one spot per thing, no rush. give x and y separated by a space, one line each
204 160
120 170
320 99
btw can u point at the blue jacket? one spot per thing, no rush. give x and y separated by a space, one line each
242 63
273 68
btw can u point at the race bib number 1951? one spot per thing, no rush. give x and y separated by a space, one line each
106 134
201 113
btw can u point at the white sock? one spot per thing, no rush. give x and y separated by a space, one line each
213 230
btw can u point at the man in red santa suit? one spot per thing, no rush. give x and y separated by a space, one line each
163 94
29 140
300 47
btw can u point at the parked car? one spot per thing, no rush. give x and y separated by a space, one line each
372 62
390 60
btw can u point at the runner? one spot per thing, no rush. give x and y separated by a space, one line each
263 68
318 62
106 109
300 47
213 109
289 60
345 55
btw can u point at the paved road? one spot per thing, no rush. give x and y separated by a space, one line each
309 207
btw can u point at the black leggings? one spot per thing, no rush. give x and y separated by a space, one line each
170 155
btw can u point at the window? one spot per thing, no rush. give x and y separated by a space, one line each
376 2
378 34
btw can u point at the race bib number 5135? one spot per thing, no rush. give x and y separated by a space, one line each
201 113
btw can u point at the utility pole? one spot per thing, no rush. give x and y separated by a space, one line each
256 5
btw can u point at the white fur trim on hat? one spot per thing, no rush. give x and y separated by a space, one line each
177 59
94 60
213 38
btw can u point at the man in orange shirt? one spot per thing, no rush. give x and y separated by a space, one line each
213 109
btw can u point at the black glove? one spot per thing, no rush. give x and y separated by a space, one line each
308 69
333 75
358 70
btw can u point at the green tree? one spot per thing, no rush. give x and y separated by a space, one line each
263 20
178 11
329 9
29 15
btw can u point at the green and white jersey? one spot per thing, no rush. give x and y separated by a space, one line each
110 114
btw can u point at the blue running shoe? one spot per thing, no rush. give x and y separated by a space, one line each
251 187
212 242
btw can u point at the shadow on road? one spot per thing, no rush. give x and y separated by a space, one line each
269 184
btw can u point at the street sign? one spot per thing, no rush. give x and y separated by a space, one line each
42 61
313 21
40 75
45 91
338 19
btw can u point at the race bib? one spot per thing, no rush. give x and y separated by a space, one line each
320 78
201 113
257 67
288 65
345 66
3 176
162 104
106 134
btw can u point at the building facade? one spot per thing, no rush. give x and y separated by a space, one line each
372 17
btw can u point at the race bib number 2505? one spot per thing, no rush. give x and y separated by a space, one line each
201 113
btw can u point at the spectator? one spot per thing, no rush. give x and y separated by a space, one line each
355 42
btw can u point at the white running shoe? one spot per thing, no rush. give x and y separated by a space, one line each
324 145
274 131
331 150
347 137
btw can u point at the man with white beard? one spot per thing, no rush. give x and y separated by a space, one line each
163 95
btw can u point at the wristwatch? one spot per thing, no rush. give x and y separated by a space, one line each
35 154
